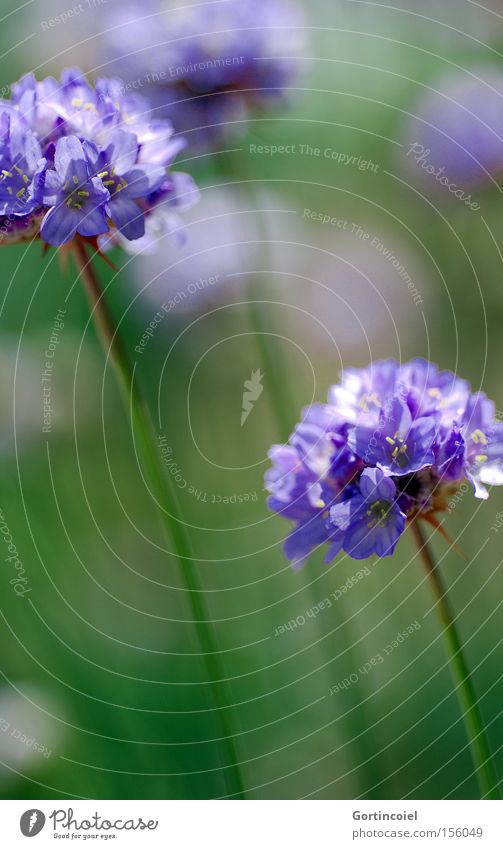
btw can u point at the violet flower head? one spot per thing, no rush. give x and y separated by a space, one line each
89 161
393 444
457 137
202 65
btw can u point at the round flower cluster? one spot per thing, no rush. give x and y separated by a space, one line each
203 64
457 128
87 160
393 443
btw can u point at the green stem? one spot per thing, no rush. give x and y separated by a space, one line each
275 371
172 519
269 346
481 754
284 405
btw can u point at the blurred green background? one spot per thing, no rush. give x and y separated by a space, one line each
100 663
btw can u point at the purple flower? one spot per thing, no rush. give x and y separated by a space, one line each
393 444
307 477
87 161
371 520
399 444
459 128
126 181
76 198
204 65
364 390
295 495
306 537
432 392
450 455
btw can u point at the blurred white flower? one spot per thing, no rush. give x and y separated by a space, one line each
355 288
30 731
35 396
224 242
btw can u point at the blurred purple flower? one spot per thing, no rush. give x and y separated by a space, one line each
457 130
202 65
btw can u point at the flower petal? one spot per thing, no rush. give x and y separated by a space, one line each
359 541
127 217
304 539
71 161
341 514
122 151
52 187
388 535
59 225
143 180
93 221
